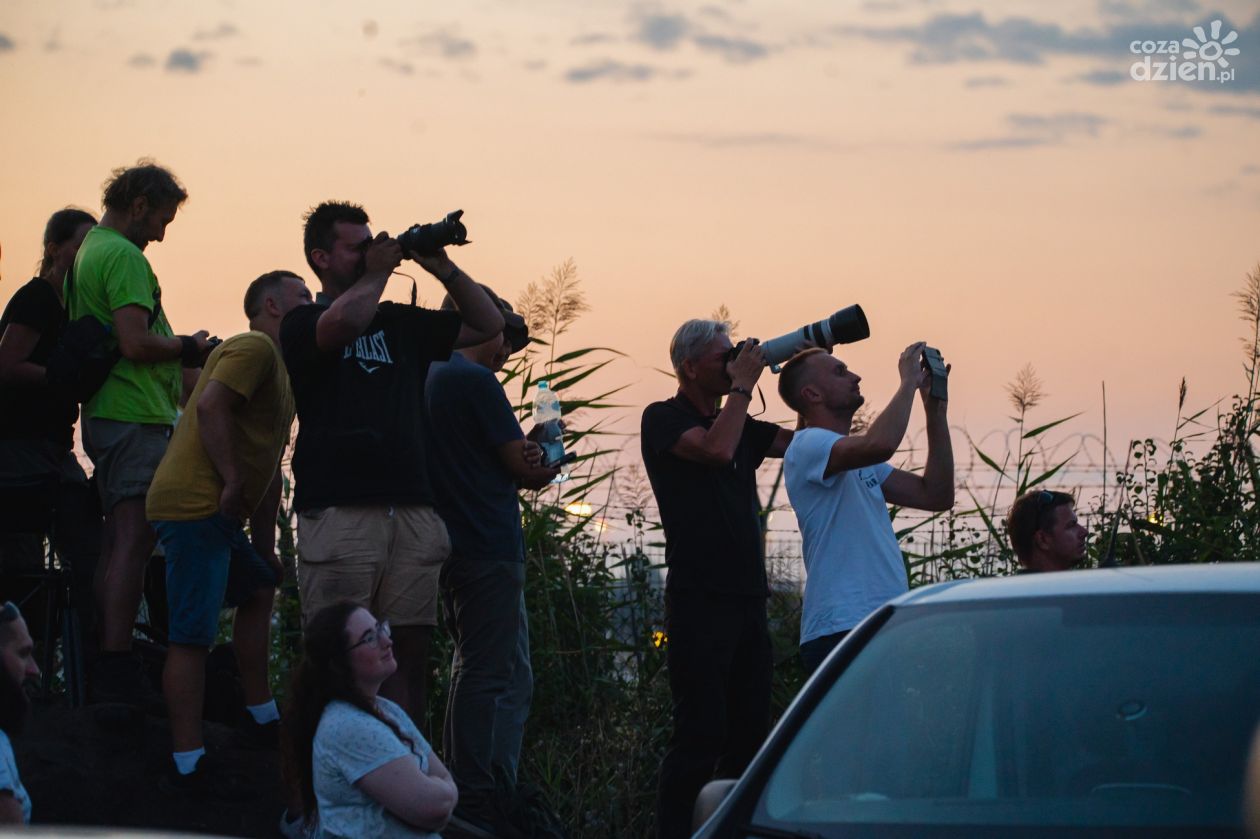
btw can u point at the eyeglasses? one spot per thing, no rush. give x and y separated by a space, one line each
372 636
9 612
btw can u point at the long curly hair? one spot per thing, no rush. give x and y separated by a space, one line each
323 676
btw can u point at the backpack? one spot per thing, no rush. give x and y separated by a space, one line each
86 352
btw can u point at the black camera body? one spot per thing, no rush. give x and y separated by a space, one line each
934 363
428 239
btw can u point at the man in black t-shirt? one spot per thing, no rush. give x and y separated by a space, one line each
367 531
702 462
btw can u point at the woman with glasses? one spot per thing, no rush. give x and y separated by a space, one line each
357 760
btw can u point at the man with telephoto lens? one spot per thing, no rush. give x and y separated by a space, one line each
701 456
840 484
367 530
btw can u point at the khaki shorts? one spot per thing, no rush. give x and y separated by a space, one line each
386 559
125 454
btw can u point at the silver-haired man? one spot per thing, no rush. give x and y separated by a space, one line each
701 455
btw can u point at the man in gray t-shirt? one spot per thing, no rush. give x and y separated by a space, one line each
839 482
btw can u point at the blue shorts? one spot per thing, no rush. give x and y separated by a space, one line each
210 564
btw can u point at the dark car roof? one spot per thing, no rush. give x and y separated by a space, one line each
1237 577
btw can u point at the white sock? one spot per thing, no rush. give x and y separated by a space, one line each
264 713
186 762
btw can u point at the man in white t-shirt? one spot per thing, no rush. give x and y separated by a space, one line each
840 484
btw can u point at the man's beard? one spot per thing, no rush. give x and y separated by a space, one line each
13 704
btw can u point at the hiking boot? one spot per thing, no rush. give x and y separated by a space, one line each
119 679
211 780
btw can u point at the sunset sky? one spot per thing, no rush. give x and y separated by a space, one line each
984 176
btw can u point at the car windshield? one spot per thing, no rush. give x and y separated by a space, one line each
1087 711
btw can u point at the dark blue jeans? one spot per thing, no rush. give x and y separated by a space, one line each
815 650
491 679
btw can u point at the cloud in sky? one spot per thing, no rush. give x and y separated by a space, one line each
1036 130
661 32
403 68
186 61
986 81
6 43
619 71
141 59
445 43
1236 111
223 30
667 32
950 38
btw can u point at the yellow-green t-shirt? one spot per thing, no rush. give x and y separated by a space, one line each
111 272
186 485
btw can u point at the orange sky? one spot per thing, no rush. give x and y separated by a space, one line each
985 176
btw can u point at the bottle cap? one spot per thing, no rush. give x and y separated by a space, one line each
542 384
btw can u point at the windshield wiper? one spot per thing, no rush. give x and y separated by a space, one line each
777 833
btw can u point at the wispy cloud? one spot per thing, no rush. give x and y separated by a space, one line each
591 39
186 61
734 50
1250 169
141 59
986 81
1104 78
1235 111
218 33
1035 130
951 38
403 68
753 139
619 71
445 43
6 43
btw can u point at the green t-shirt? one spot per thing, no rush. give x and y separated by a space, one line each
111 272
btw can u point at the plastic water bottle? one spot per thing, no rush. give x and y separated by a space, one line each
547 415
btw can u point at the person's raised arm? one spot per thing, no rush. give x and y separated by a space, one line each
482 318
716 445
934 489
420 800
349 315
880 441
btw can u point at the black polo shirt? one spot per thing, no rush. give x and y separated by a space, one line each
710 513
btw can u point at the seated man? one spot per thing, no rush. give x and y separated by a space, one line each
1044 531
839 484
17 665
220 469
